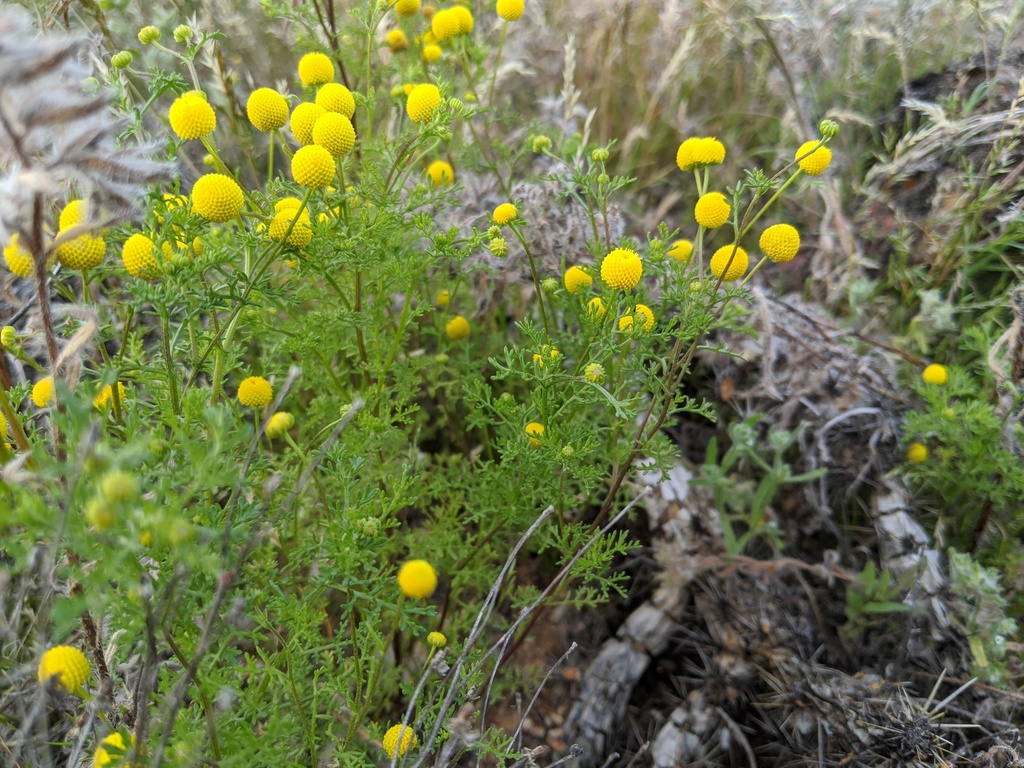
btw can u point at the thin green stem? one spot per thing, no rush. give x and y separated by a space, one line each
165 341
536 278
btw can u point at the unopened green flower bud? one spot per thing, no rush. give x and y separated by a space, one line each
182 34
507 397
8 337
441 358
148 35
568 451
603 179
98 514
493 231
540 144
209 160
455 105
594 373
121 59
119 486
499 247
549 284
599 155
829 128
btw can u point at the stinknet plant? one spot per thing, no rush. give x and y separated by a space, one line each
274 450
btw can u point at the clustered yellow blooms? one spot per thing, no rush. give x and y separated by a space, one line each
267 109
110 750
315 69
423 100
137 253
217 197
440 173
680 251
621 269
313 167
43 392
457 328
255 392
699 153
577 279
417 579
303 118
935 374
645 315
504 214
729 263
535 431
191 116
335 133
85 251
67 664
510 10
712 210
19 260
398 740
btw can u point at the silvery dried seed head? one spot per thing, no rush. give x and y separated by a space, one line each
53 134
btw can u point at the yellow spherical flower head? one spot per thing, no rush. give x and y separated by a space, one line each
398 740
621 269
417 579
576 279
397 41
19 261
192 116
300 234
645 315
334 132
171 201
437 639
85 251
917 453
304 117
423 100
712 210
699 153
280 423
105 397
138 256
267 109
510 10
255 392
596 309
547 352
457 328
43 392
444 25
464 16
780 243
680 251
335 97
67 664
535 431
316 69
594 373
292 204
441 173
74 213
217 197
935 374
313 167
111 750
431 53
407 7
443 298
505 213
817 161
729 266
